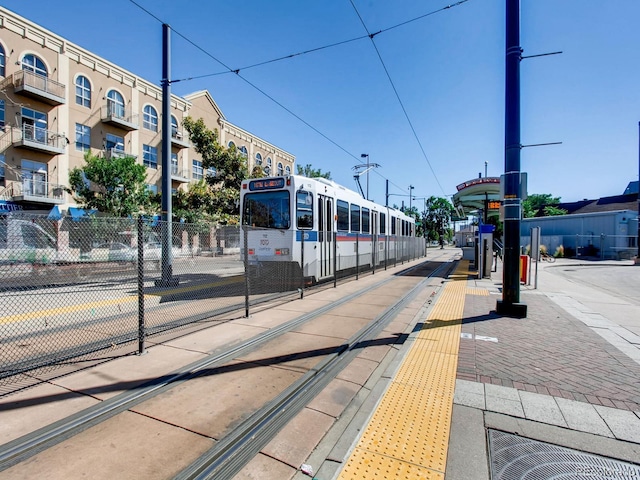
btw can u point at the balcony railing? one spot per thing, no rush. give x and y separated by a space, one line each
179 139
120 116
179 175
118 153
41 191
39 86
38 138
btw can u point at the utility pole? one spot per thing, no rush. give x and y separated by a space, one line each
510 304
410 195
167 278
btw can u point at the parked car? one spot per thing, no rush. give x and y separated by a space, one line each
114 252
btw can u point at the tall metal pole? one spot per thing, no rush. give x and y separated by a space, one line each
510 304
167 267
638 239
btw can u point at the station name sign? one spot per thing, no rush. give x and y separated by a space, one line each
269 184
478 181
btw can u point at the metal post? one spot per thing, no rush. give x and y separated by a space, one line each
335 259
302 264
247 285
167 267
141 323
357 256
374 247
510 303
638 238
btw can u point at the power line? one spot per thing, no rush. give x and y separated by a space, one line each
395 90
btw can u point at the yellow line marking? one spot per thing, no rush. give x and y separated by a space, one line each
105 303
408 434
477 291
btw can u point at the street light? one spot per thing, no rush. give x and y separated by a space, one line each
366 155
411 187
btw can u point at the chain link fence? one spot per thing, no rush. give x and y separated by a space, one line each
74 288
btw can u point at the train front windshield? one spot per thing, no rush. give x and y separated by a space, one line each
267 210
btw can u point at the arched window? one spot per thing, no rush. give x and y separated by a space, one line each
267 169
33 64
258 159
287 170
280 169
150 118
2 61
244 151
83 91
174 127
115 104
231 144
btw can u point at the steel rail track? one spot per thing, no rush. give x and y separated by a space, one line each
235 450
35 442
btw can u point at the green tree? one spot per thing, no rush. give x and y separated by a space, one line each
230 166
437 215
310 172
115 186
541 205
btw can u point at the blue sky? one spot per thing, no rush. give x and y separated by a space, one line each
447 69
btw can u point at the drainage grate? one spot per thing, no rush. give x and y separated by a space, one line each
519 458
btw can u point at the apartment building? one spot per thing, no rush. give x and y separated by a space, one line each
59 101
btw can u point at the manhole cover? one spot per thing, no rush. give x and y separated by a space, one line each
519 458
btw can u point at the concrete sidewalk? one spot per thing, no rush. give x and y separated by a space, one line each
568 374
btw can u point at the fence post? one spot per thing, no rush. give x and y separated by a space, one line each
602 237
357 256
302 233
335 259
141 324
245 251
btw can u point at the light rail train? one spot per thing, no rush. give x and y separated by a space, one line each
323 226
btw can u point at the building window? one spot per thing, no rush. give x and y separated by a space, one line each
150 118
114 144
1 115
34 178
174 128
83 137
153 189
267 169
33 64
174 163
211 172
280 169
287 170
2 62
231 144
83 91
244 152
2 163
150 156
258 159
115 104
34 125
197 170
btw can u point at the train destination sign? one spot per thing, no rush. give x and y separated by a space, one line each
267 184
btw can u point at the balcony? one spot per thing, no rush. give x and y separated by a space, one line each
181 176
117 153
179 139
38 139
120 117
36 191
39 87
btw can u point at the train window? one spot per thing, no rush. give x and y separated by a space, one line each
355 218
393 225
365 220
343 215
266 210
383 223
304 209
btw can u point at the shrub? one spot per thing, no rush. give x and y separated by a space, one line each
559 252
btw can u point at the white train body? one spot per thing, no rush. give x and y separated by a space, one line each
288 218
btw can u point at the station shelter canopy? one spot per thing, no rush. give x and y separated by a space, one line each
477 194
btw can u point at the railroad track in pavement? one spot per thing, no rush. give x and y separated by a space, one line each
296 374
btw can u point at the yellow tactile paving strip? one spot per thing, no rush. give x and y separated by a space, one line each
478 291
408 435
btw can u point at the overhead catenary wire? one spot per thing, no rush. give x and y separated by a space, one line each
288 110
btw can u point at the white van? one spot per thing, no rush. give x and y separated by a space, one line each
24 241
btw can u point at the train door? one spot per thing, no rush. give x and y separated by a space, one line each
325 235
